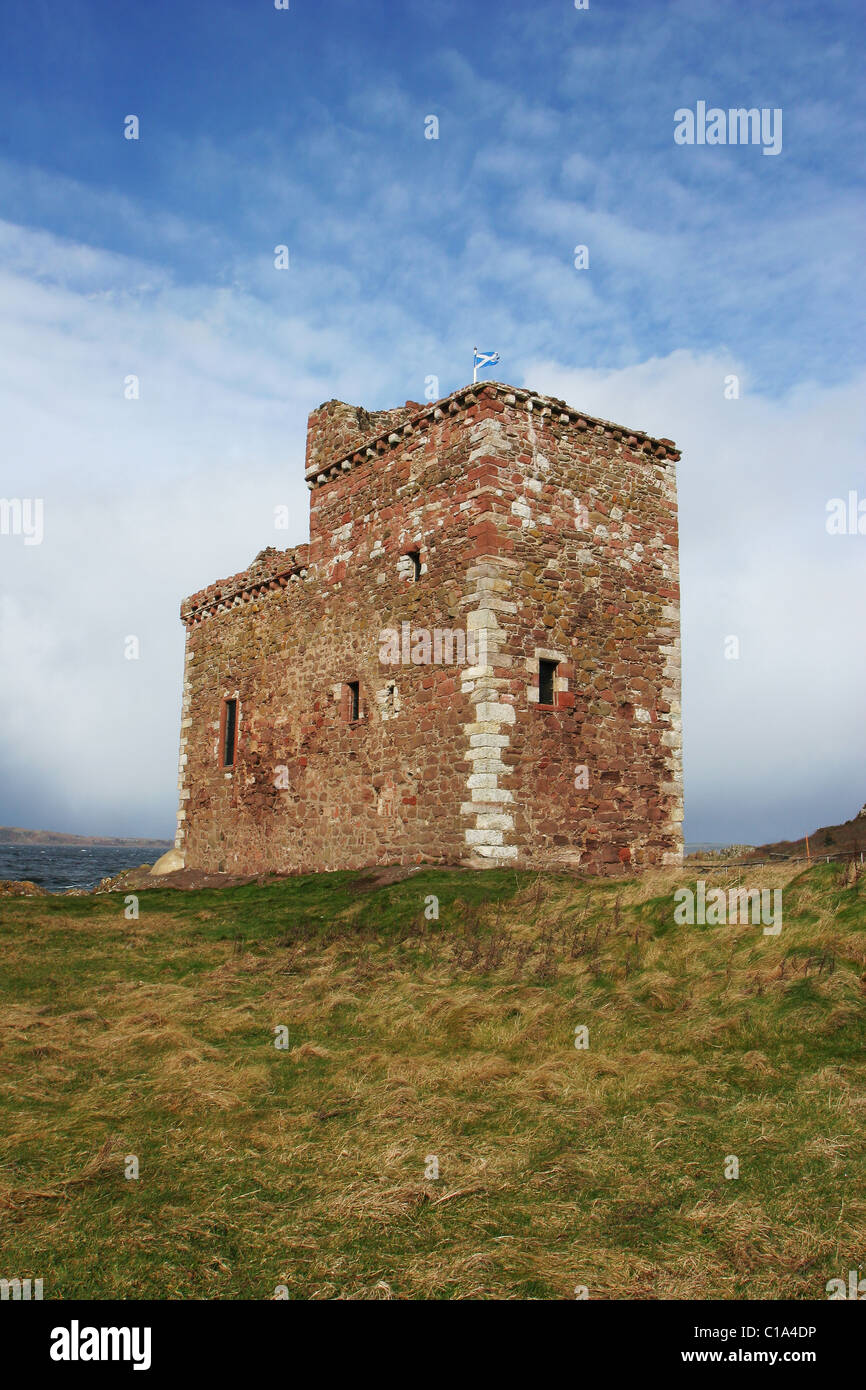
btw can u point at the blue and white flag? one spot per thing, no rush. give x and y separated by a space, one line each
485 359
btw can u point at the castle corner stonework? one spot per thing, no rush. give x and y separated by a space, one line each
475 660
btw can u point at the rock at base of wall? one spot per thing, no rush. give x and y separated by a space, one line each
169 863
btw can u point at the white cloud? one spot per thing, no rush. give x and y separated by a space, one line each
145 501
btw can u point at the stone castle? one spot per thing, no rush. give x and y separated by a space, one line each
475 660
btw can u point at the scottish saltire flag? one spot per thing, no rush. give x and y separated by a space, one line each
485 359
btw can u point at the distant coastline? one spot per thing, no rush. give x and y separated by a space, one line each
16 835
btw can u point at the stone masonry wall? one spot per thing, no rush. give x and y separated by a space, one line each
585 574
539 534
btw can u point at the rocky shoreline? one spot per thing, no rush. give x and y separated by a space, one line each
167 872
168 866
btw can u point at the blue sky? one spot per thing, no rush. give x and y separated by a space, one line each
306 127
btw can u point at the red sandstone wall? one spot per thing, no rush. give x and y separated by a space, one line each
384 790
465 765
589 575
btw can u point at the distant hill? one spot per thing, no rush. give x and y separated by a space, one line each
15 835
829 839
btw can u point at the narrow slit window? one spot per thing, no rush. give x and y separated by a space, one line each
546 673
415 557
353 702
230 731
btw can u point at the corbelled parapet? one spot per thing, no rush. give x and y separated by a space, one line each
271 570
341 436
335 429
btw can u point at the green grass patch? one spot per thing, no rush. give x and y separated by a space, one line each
411 1039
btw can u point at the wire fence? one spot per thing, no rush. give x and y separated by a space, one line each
843 856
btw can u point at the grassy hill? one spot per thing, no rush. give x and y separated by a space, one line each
17 835
305 1167
849 837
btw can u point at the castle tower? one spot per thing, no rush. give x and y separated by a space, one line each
475 660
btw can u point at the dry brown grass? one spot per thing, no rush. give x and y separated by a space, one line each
558 1167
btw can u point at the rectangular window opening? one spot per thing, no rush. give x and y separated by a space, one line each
415 557
353 702
230 729
546 673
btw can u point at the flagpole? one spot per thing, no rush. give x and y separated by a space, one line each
474 365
